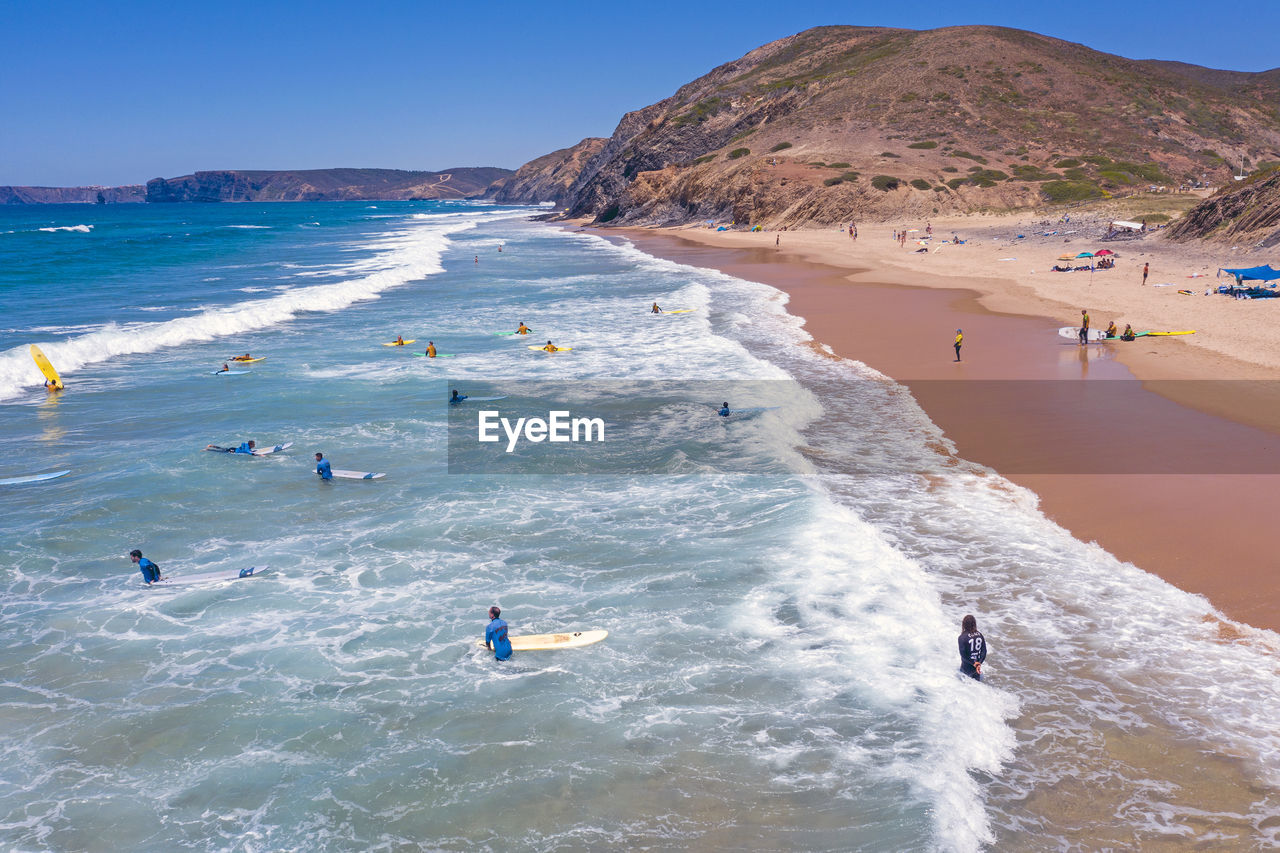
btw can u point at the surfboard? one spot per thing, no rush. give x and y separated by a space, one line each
1073 333
45 367
356 475
231 372
544 642
558 349
242 360
267 451
1167 334
209 577
437 355
399 343
479 399
748 411
680 311
509 334
33 478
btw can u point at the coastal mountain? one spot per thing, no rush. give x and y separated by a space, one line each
324 185
1247 213
73 195
849 122
549 177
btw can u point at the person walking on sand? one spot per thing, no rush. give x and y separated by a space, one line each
1146 268
959 342
973 648
150 571
777 240
1084 327
495 635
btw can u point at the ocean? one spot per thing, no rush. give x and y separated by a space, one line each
783 588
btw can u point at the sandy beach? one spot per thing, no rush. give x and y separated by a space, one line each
1171 465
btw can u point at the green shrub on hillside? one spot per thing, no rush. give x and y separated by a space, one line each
1070 191
928 143
1068 163
831 182
781 146
739 152
977 158
956 183
849 176
921 184
885 182
704 159
889 154
950 169
837 165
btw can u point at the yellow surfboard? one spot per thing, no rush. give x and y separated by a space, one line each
46 368
557 349
544 642
400 343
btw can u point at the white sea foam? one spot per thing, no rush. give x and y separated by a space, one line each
399 258
248 227
82 229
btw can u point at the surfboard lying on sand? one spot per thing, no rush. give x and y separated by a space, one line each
550 352
1167 334
210 577
356 475
46 368
544 642
33 478
400 343
1073 333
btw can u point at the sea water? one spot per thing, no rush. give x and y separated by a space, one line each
782 590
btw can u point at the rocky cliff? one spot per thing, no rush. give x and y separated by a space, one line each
1246 214
851 122
323 185
72 195
547 178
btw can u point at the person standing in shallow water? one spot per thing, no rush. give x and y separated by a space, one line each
973 648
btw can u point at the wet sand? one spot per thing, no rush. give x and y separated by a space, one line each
1153 471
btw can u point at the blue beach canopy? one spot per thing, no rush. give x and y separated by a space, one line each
1263 273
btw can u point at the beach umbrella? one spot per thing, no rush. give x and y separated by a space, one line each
1066 257
1102 252
1085 255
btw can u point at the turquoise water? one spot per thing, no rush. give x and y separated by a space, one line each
780 672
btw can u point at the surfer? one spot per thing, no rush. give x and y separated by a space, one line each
724 409
322 467
495 635
1112 331
550 347
656 309
246 447
52 385
225 369
1084 327
150 571
431 349
245 357
1128 334
973 648
456 398
959 342
523 330
399 340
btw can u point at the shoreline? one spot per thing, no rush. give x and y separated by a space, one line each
1174 515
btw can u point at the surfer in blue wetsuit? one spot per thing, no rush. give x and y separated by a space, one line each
973 648
322 467
495 635
150 571
456 398
246 447
724 410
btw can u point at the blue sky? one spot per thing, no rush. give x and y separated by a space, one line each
115 93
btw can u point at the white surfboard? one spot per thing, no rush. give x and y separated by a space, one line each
748 411
210 577
466 399
1073 333
266 451
356 475
544 642
33 478
230 372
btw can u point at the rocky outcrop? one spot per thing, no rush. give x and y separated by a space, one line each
838 123
73 195
547 178
323 185
1247 213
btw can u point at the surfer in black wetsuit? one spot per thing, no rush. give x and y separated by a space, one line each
973 648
